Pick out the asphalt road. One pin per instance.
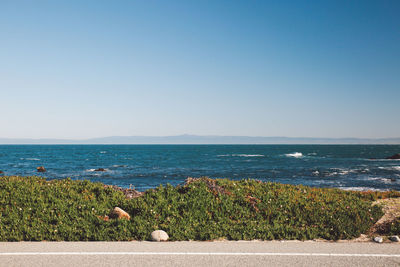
(224, 253)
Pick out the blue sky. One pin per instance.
(81, 69)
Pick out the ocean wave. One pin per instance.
(95, 170)
(35, 159)
(247, 155)
(103, 152)
(383, 160)
(392, 168)
(381, 179)
(358, 188)
(294, 155)
(339, 171)
(332, 174)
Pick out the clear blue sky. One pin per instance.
(80, 69)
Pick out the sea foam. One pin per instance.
(247, 155)
(35, 159)
(359, 188)
(294, 155)
(392, 168)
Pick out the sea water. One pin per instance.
(354, 167)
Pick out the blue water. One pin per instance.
(147, 166)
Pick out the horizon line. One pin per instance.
(197, 135)
(187, 139)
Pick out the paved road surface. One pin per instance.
(225, 253)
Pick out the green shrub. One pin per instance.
(204, 209)
(394, 227)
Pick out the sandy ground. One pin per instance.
(391, 207)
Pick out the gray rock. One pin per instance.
(378, 239)
(395, 156)
(394, 238)
(159, 235)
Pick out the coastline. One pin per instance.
(148, 166)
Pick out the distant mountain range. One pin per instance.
(199, 139)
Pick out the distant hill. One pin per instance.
(199, 139)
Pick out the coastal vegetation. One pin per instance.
(394, 227)
(34, 209)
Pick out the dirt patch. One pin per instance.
(128, 192)
(211, 184)
(391, 208)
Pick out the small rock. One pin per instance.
(378, 239)
(100, 170)
(159, 235)
(119, 213)
(394, 238)
(395, 156)
(41, 169)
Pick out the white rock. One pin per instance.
(394, 238)
(159, 235)
(378, 239)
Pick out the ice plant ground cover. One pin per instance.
(32, 208)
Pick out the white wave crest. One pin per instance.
(392, 168)
(294, 155)
(35, 159)
(338, 171)
(381, 179)
(359, 188)
(99, 171)
(247, 155)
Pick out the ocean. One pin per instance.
(352, 167)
